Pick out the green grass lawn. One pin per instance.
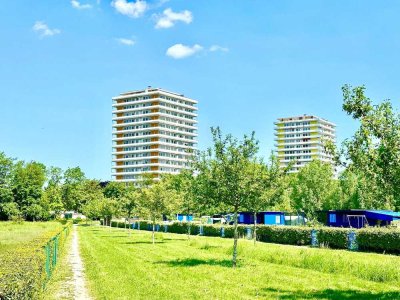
(12, 234)
(119, 266)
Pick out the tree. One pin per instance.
(114, 189)
(109, 207)
(314, 189)
(157, 200)
(374, 150)
(28, 181)
(223, 172)
(53, 191)
(183, 184)
(6, 174)
(130, 201)
(72, 189)
(9, 210)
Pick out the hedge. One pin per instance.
(369, 239)
(23, 269)
(379, 239)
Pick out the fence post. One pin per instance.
(47, 260)
(352, 244)
(249, 233)
(222, 232)
(314, 238)
(201, 230)
(165, 228)
(158, 227)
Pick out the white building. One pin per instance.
(302, 139)
(154, 131)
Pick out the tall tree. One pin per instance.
(28, 182)
(374, 150)
(72, 189)
(223, 173)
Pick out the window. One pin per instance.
(332, 218)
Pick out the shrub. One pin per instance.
(22, 268)
(77, 220)
(379, 239)
(293, 235)
(333, 237)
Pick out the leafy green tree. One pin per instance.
(130, 202)
(53, 192)
(374, 150)
(223, 172)
(72, 189)
(157, 200)
(109, 208)
(115, 189)
(28, 182)
(314, 189)
(6, 173)
(183, 184)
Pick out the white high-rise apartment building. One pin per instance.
(154, 131)
(302, 139)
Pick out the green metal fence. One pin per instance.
(51, 251)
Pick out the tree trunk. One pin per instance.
(154, 225)
(235, 239)
(255, 228)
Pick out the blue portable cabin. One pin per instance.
(263, 217)
(358, 218)
(184, 218)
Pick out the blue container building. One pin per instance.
(358, 218)
(184, 218)
(263, 217)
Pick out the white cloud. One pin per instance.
(215, 48)
(43, 30)
(179, 51)
(76, 4)
(169, 18)
(127, 42)
(131, 9)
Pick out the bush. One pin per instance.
(76, 221)
(333, 237)
(22, 269)
(293, 235)
(379, 239)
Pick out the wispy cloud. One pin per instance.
(131, 9)
(127, 42)
(179, 51)
(76, 4)
(43, 29)
(215, 48)
(168, 18)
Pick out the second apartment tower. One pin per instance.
(302, 139)
(154, 131)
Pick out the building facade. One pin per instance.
(154, 131)
(302, 139)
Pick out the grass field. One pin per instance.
(12, 233)
(119, 266)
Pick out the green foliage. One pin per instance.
(331, 237)
(290, 235)
(379, 239)
(374, 150)
(315, 189)
(22, 269)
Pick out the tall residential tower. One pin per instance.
(302, 139)
(154, 131)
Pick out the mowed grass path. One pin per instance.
(119, 266)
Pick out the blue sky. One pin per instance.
(62, 61)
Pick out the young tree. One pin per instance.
(6, 174)
(156, 200)
(130, 202)
(183, 184)
(223, 172)
(314, 189)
